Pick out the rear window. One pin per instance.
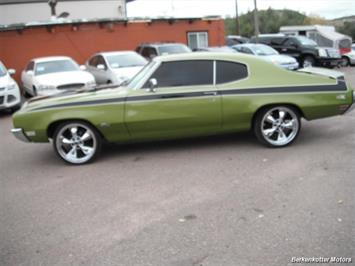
(230, 71)
(173, 49)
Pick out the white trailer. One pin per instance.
(324, 36)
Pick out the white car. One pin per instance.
(52, 75)
(349, 58)
(115, 67)
(10, 96)
(268, 53)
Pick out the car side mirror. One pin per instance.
(29, 72)
(100, 67)
(153, 83)
(11, 71)
(82, 67)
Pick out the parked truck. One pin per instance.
(324, 36)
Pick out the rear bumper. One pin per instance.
(20, 134)
(352, 106)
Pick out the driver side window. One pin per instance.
(183, 73)
(30, 66)
(93, 61)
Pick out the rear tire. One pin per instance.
(345, 61)
(76, 142)
(277, 126)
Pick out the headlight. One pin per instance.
(45, 87)
(11, 86)
(322, 52)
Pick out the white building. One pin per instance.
(25, 11)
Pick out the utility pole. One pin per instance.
(237, 24)
(256, 21)
(52, 4)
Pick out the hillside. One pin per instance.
(271, 20)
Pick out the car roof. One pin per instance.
(116, 52)
(222, 56)
(217, 49)
(50, 58)
(161, 44)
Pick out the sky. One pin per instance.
(328, 9)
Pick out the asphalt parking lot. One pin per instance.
(222, 200)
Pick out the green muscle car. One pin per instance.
(183, 96)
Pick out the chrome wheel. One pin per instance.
(76, 143)
(280, 126)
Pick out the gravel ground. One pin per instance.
(217, 201)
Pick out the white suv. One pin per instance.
(10, 96)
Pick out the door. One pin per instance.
(291, 48)
(184, 103)
(98, 67)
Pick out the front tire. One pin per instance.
(76, 142)
(277, 126)
(308, 61)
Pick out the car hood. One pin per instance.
(5, 80)
(280, 59)
(72, 97)
(128, 72)
(62, 78)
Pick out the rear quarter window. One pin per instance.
(230, 71)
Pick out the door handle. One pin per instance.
(210, 93)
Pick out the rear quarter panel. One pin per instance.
(239, 109)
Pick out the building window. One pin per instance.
(197, 39)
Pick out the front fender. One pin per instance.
(107, 119)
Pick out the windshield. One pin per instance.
(306, 41)
(125, 60)
(140, 75)
(3, 70)
(174, 49)
(264, 50)
(55, 66)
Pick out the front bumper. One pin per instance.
(20, 134)
(292, 66)
(9, 99)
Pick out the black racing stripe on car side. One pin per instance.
(93, 102)
(340, 86)
(167, 96)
